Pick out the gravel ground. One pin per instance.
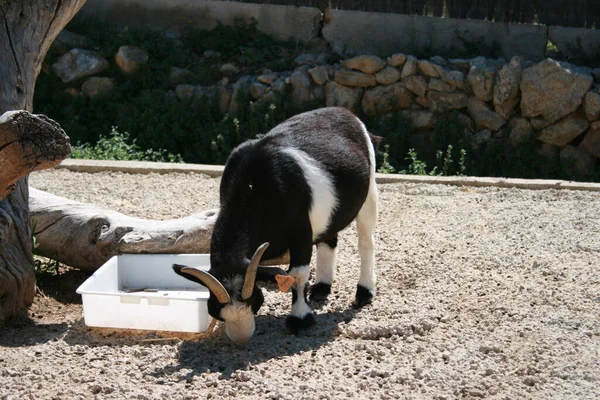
(482, 293)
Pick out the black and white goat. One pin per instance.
(297, 186)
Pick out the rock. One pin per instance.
(185, 93)
(591, 142)
(595, 125)
(444, 101)
(506, 89)
(422, 101)
(428, 69)
(439, 60)
(300, 78)
(453, 78)
(521, 131)
(483, 116)
(354, 78)
(279, 85)
(268, 78)
(78, 63)
(319, 75)
(131, 58)
(591, 105)
(596, 74)
(97, 86)
(67, 40)
(481, 78)
(507, 109)
(460, 64)
(466, 121)
(311, 59)
(366, 64)
(269, 97)
(224, 99)
(564, 131)
(439, 85)
(410, 67)
(577, 162)
(551, 90)
(318, 94)
(416, 84)
(337, 95)
(539, 123)
(241, 86)
(229, 69)
(387, 76)
(180, 75)
(420, 119)
(396, 60)
(301, 85)
(508, 81)
(384, 99)
(204, 94)
(481, 138)
(257, 89)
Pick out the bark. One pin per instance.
(27, 29)
(85, 236)
(28, 143)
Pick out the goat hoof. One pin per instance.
(295, 324)
(363, 297)
(319, 291)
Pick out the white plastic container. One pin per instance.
(141, 291)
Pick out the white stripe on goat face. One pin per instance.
(239, 321)
(324, 199)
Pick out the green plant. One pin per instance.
(416, 166)
(386, 167)
(551, 47)
(116, 146)
(44, 265)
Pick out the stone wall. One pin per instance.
(555, 103)
(353, 32)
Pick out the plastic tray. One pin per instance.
(141, 291)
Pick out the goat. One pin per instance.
(297, 186)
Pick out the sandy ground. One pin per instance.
(482, 293)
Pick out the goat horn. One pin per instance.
(252, 271)
(211, 283)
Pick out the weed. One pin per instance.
(416, 166)
(386, 167)
(116, 146)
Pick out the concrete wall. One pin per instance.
(282, 22)
(351, 32)
(357, 32)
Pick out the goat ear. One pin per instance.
(205, 279)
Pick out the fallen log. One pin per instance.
(85, 236)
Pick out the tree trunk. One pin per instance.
(28, 28)
(85, 236)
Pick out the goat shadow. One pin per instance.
(270, 341)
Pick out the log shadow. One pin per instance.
(61, 286)
(24, 332)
